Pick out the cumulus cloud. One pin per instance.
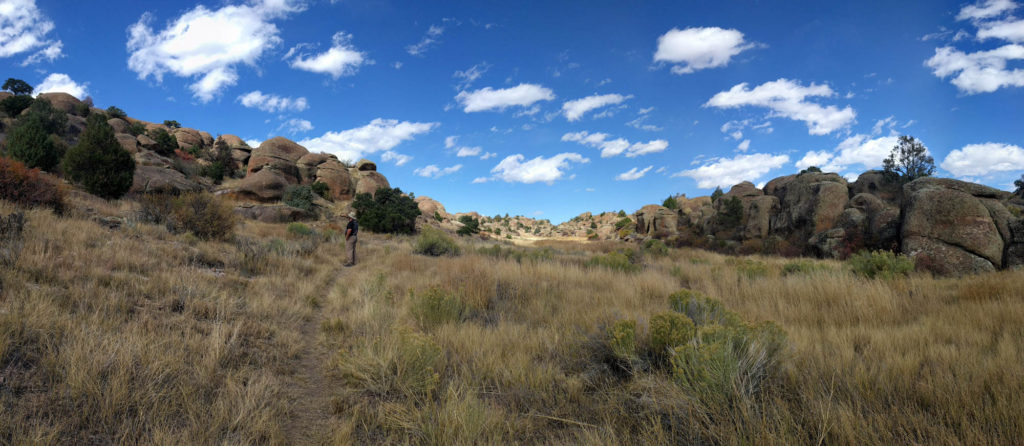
(432, 171)
(984, 71)
(296, 126)
(788, 99)
(984, 159)
(487, 98)
(377, 136)
(857, 150)
(206, 44)
(395, 157)
(513, 169)
(428, 40)
(272, 103)
(575, 109)
(725, 172)
(60, 82)
(694, 49)
(342, 59)
(618, 146)
(468, 151)
(633, 174)
(23, 29)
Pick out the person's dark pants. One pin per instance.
(350, 249)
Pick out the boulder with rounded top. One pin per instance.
(368, 181)
(187, 137)
(264, 185)
(657, 221)
(153, 179)
(279, 153)
(307, 165)
(429, 206)
(61, 101)
(365, 165)
(337, 178)
(119, 125)
(879, 184)
(128, 142)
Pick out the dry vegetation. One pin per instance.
(138, 335)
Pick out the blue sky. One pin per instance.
(549, 109)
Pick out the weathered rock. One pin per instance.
(828, 243)
(61, 101)
(368, 181)
(151, 179)
(810, 202)
(945, 215)
(279, 213)
(656, 221)
(1015, 247)
(264, 185)
(279, 153)
(5, 95)
(759, 212)
(942, 258)
(745, 189)
(146, 142)
(877, 183)
(119, 125)
(234, 142)
(883, 221)
(207, 138)
(128, 142)
(307, 165)
(336, 176)
(366, 165)
(188, 138)
(76, 125)
(429, 206)
(778, 185)
(148, 158)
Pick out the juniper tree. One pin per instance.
(909, 160)
(98, 162)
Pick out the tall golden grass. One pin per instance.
(136, 335)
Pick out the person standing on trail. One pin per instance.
(351, 233)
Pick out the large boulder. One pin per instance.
(61, 101)
(128, 142)
(278, 213)
(146, 142)
(188, 137)
(877, 183)
(947, 227)
(882, 228)
(366, 165)
(337, 178)
(1014, 256)
(809, 203)
(308, 165)
(264, 185)
(745, 189)
(154, 179)
(368, 181)
(119, 125)
(657, 221)
(429, 206)
(280, 154)
(759, 210)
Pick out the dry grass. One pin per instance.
(136, 335)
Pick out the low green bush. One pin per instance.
(669, 330)
(880, 264)
(626, 261)
(300, 229)
(749, 268)
(252, 258)
(701, 309)
(622, 339)
(200, 213)
(436, 307)
(321, 189)
(804, 267)
(299, 196)
(115, 112)
(434, 242)
(655, 247)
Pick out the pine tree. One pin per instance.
(98, 162)
(909, 160)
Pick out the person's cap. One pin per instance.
(352, 215)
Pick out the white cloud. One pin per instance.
(487, 98)
(379, 135)
(814, 158)
(60, 82)
(725, 172)
(857, 150)
(787, 99)
(206, 44)
(744, 146)
(1010, 30)
(576, 108)
(342, 59)
(488, 155)
(985, 9)
(24, 28)
(395, 157)
(296, 126)
(881, 123)
(984, 159)
(633, 174)
(428, 40)
(468, 151)
(512, 169)
(699, 48)
(432, 171)
(272, 103)
(610, 148)
(480, 180)
(979, 72)
(471, 74)
(254, 143)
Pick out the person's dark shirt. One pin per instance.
(352, 226)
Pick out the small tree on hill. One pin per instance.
(35, 139)
(166, 143)
(172, 124)
(115, 112)
(98, 162)
(14, 105)
(17, 86)
(387, 211)
(731, 214)
(909, 160)
(671, 203)
(717, 194)
(470, 225)
(1020, 187)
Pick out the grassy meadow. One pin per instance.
(135, 335)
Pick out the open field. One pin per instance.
(135, 335)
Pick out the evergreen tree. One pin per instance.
(98, 162)
(166, 143)
(909, 160)
(387, 211)
(717, 194)
(671, 203)
(29, 143)
(17, 86)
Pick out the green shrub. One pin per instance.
(136, 128)
(27, 187)
(98, 162)
(655, 247)
(623, 223)
(172, 124)
(321, 189)
(387, 211)
(622, 213)
(670, 203)
(115, 112)
(214, 171)
(201, 213)
(300, 230)
(880, 264)
(701, 309)
(805, 267)
(812, 169)
(669, 330)
(616, 260)
(749, 268)
(728, 362)
(437, 216)
(299, 196)
(622, 339)
(14, 105)
(29, 142)
(434, 242)
(470, 225)
(717, 194)
(436, 307)
(195, 151)
(17, 86)
(166, 143)
(731, 215)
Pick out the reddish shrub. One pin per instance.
(28, 187)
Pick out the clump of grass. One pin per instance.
(434, 242)
(803, 267)
(622, 339)
(749, 268)
(300, 229)
(252, 258)
(405, 366)
(625, 261)
(701, 309)
(880, 264)
(436, 307)
(11, 238)
(655, 247)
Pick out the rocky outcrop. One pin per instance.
(429, 206)
(188, 138)
(119, 125)
(656, 221)
(240, 150)
(280, 154)
(156, 179)
(61, 101)
(948, 229)
(337, 178)
(128, 142)
(368, 181)
(365, 165)
(279, 213)
(265, 185)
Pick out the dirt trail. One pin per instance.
(310, 419)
